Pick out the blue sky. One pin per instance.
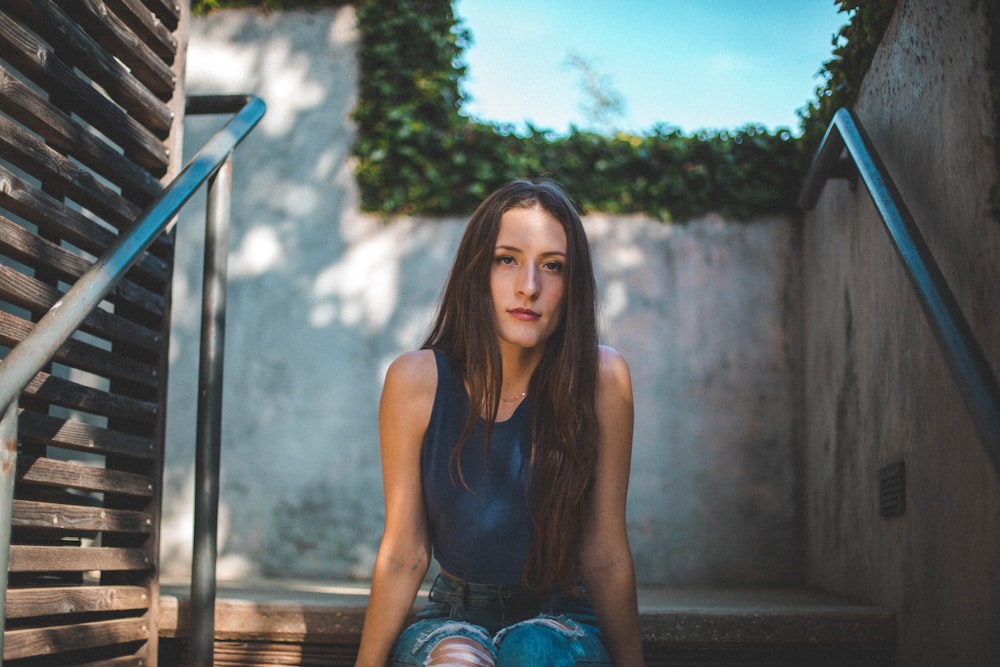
(691, 64)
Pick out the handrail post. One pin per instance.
(209, 429)
(8, 472)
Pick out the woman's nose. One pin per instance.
(528, 282)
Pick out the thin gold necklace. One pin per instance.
(516, 398)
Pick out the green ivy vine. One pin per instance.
(854, 48)
(417, 154)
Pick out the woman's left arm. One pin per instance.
(606, 559)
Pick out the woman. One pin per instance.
(506, 443)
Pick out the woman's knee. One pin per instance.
(537, 641)
(459, 651)
(553, 641)
(443, 643)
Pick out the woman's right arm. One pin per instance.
(404, 554)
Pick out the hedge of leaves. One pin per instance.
(417, 154)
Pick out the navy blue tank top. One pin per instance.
(481, 533)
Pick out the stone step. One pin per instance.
(301, 623)
(763, 626)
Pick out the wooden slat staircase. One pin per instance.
(89, 113)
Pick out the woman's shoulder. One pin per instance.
(614, 380)
(415, 370)
(611, 365)
(408, 391)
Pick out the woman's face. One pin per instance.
(527, 281)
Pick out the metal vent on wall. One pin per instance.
(892, 490)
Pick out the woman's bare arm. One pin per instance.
(404, 553)
(606, 559)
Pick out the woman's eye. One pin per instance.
(553, 266)
(504, 259)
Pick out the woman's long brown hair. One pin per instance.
(562, 390)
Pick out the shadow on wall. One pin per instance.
(302, 345)
(321, 298)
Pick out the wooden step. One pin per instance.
(289, 623)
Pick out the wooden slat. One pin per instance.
(38, 297)
(45, 430)
(38, 253)
(167, 11)
(27, 151)
(280, 621)
(133, 35)
(84, 356)
(74, 396)
(76, 518)
(59, 600)
(33, 642)
(273, 654)
(123, 661)
(27, 107)
(91, 58)
(64, 474)
(147, 25)
(37, 61)
(52, 216)
(77, 559)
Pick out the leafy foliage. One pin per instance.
(417, 153)
(854, 48)
(412, 144)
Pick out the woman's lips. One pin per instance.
(524, 314)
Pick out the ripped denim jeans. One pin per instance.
(478, 625)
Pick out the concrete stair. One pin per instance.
(288, 623)
(763, 627)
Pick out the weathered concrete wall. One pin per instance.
(322, 297)
(877, 389)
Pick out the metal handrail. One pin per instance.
(969, 366)
(210, 164)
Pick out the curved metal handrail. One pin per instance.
(210, 164)
(976, 380)
(55, 328)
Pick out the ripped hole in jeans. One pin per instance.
(459, 652)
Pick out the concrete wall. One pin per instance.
(322, 297)
(877, 388)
